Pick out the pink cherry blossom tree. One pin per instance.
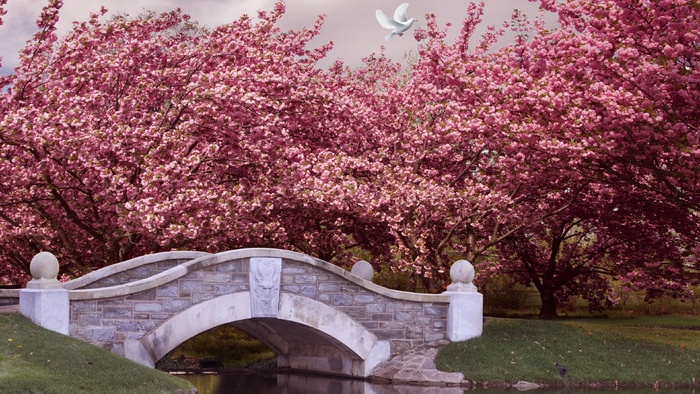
(138, 135)
(601, 98)
(457, 178)
(631, 69)
(599, 237)
(559, 150)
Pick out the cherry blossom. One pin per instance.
(567, 158)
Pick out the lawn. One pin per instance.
(647, 351)
(36, 360)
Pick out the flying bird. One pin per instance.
(399, 24)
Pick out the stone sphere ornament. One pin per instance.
(462, 271)
(462, 275)
(363, 269)
(44, 269)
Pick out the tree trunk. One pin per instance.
(433, 286)
(549, 303)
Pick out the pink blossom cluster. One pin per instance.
(563, 159)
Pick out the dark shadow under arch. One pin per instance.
(306, 334)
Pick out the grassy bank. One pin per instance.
(647, 351)
(35, 360)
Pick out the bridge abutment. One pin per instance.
(465, 316)
(49, 308)
(44, 301)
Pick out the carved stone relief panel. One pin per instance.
(265, 286)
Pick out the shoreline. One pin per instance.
(404, 380)
(417, 368)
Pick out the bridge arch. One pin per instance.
(323, 339)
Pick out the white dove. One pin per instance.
(399, 24)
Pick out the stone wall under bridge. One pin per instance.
(314, 315)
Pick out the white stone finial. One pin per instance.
(462, 275)
(44, 268)
(363, 269)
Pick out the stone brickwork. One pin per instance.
(406, 324)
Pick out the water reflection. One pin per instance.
(229, 383)
(240, 383)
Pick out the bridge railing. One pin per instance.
(131, 270)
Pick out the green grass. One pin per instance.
(36, 360)
(630, 351)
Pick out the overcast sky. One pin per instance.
(350, 24)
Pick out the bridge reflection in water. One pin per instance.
(240, 383)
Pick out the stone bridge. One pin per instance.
(314, 315)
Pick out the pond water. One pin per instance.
(242, 383)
